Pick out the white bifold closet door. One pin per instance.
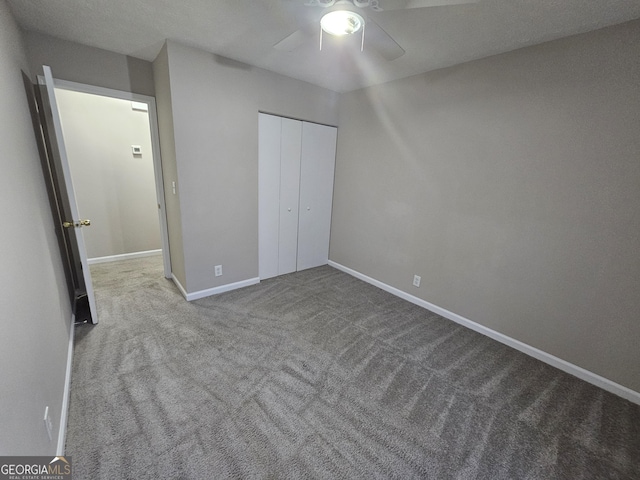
(290, 144)
(317, 166)
(296, 168)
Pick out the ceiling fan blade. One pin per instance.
(298, 13)
(386, 5)
(376, 38)
(292, 42)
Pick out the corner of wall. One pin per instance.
(164, 107)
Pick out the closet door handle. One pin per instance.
(289, 209)
(308, 208)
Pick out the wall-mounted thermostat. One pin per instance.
(136, 149)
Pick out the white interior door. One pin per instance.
(290, 144)
(317, 167)
(59, 157)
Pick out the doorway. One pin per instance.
(113, 151)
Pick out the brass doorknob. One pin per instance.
(79, 223)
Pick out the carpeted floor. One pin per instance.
(319, 375)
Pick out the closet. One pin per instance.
(296, 162)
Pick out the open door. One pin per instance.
(61, 175)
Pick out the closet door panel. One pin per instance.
(269, 130)
(317, 166)
(290, 145)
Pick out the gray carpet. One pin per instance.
(319, 375)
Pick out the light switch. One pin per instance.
(136, 149)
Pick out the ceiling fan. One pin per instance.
(347, 17)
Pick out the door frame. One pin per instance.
(155, 146)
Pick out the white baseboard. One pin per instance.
(215, 290)
(545, 357)
(64, 413)
(123, 256)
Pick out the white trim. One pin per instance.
(159, 177)
(215, 290)
(180, 287)
(545, 357)
(123, 256)
(155, 147)
(64, 413)
(102, 91)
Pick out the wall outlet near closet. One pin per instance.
(416, 280)
(218, 270)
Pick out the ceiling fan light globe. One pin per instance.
(341, 22)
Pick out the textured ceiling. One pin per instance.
(246, 30)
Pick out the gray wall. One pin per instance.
(215, 104)
(512, 186)
(114, 188)
(93, 66)
(34, 302)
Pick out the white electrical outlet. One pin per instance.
(416, 280)
(218, 270)
(48, 423)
